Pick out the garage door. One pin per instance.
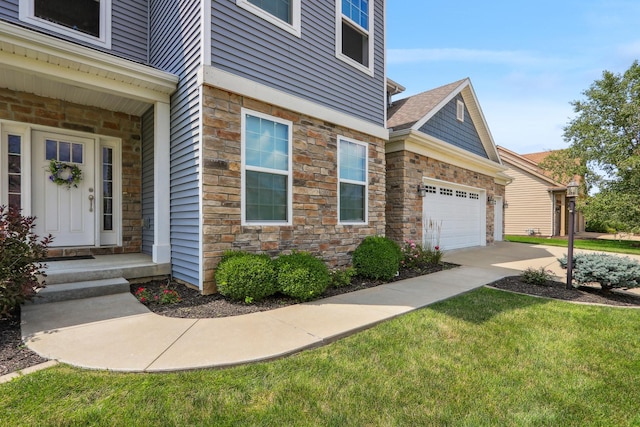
(459, 212)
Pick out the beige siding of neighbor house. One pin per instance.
(530, 205)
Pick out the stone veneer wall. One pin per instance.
(315, 225)
(405, 171)
(65, 116)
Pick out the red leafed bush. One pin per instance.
(21, 252)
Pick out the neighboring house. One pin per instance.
(537, 205)
(199, 126)
(443, 170)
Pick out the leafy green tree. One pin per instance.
(605, 137)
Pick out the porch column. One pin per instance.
(161, 181)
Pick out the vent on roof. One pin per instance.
(460, 111)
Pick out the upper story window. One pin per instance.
(282, 13)
(85, 20)
(266, 169)
(352, 174)
(354, 33)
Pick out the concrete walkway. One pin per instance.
(118, 333)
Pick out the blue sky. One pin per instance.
(526, 60)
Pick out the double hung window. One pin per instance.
(282, 13)
(354, 28)
(86, 20)
(352, 171)
(266, 174)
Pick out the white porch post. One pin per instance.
(161, 183)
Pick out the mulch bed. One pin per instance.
(14, 356)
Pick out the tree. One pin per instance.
(605, 137)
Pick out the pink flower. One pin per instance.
(437, 248)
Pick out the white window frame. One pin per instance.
(109, 237)
(365, 183)
(7, 129)
(369, 33)
(27, 14)
(293, 27)
(289, 173)
(460, 111)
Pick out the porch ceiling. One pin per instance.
(35, 63)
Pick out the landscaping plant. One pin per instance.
(342, 277)
(246, 277)
(538, 276)
(609, 271)
(301, 276)
(21, 253)
(377, 257)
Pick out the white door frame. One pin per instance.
(25, 132)
(498, 219)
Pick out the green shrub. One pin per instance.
(20, 254)
(246, 277)
(538, 276)
(301, 276)
(342, 278)
(377, 257)
(609, 271)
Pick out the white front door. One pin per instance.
(67, 213)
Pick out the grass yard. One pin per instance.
(484, 358)
(619, 246)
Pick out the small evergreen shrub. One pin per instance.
(377, 257)
(21, 251)
(538, 276)
(246, 277)
(609, 271)
(301, 276)
(342, 278)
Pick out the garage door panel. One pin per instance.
(459, 211)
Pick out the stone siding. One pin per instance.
(315, 226)
(405, 171)
(65, 116)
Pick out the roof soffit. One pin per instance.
(46, 66)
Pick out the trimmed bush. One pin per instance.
(20, 254)
(246, 277)
(609, 271)
(377, 257)
(301, 276)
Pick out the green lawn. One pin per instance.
(484, 358)
(620, 246)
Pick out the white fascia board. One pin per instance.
(40, 54)
(428, 146)
(233, 83)
(477, 116)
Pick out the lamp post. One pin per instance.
(572, 193)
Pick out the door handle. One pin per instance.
(91, 202)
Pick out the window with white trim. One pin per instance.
(352, 181)
(281, 13)
(266, 169)
(86, 20)
(354, 33)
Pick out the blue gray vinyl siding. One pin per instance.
(174, 47)
(246, 45)
(147, 182)
(129, 27)
(445, 126)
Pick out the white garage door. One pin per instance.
(459, 212)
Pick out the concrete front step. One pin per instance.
(80, 290)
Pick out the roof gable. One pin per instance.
(414, 112)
